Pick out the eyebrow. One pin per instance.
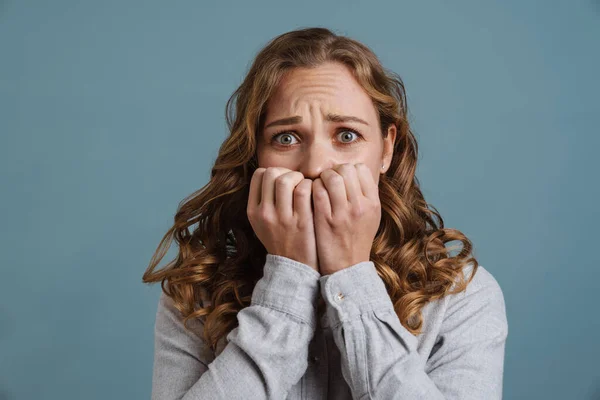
(330, 117)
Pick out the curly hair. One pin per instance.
(220, 257)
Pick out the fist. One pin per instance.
(280, 212)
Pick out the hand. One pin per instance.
(279, 210)
(347, 213)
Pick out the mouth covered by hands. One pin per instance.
(335, 232)
(346, 213)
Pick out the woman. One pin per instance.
(316, 269)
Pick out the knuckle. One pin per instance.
(286, 220)
(302, 190)
(299, 176)
(301, 193)
(270, 219)
(263, 214)
(258, 173)
(272, 172)
(289, 178)
(283, 180)
(319, 192)
(255, 177)
(337, 179)
(356, 212)
(346, 167)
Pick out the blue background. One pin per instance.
(112, 112)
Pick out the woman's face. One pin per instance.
(327, 119)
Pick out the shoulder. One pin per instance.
(169, 328)
(467, 355)
(168, 316)
(168, 309)
(483, 286)
(481, 303)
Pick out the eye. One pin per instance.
(345, 132)
(345, 135)
(284, 134)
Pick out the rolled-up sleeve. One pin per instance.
(379, 355)
(266, 353)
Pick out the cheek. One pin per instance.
(259, 153)
(269, 159)
(264, 158)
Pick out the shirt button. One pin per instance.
(339, 296)
(315, 359)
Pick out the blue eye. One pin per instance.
(343, 131)
(283, 134)
(349, 131)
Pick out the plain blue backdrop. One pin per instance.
(111, 112)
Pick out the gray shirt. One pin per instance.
(357, 349)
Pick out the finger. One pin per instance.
(268, 186)
(336, 189)
(254, 196)
(284, 192)
(321, 201)
(367, 184)
(302, 200)
(353, 187)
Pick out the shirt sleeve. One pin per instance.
(379, 358)
(266, 354)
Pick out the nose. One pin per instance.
(317, 158)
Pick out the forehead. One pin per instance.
(331, 86)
